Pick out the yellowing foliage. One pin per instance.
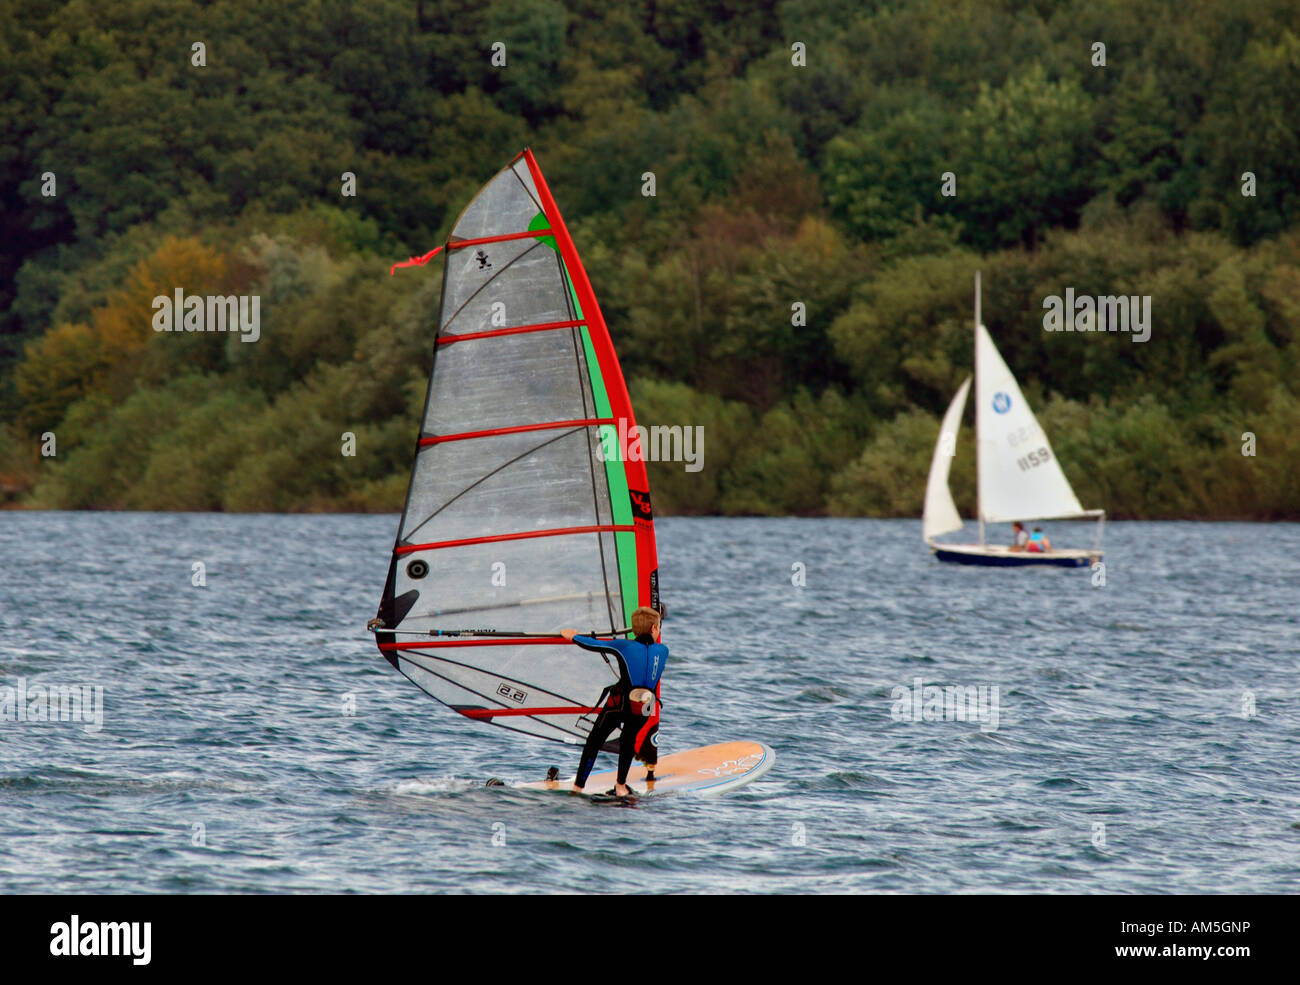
(74, 360)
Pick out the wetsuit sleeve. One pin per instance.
(603, 646)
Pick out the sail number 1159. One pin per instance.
(1033, 459)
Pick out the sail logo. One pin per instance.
(513, 693)
(75, 939)
(215, 313)
(1001, 403)
(641, 511)
(951, 703)
(1104, 313)
(659, 443)
(53, 703)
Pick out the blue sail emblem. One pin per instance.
(1001, 402)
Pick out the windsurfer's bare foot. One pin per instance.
(575, 789)
(621, 790)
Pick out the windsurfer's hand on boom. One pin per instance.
(569, 634)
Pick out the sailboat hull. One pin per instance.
(995, 556)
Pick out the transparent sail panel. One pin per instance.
(506, 204)
(504, 285)
(517, 677)
(509, 381)
(549, 583)
(507, 484)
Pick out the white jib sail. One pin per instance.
(941, 516)
(1019, 476)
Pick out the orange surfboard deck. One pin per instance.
(709, 769)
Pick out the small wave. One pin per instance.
(448, 784)
(102, 784)
(1063, 782)
(823, 694)
(850, 779)
(1009, 825)
(846, 780)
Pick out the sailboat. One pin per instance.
(1018, 476)
(524, 514)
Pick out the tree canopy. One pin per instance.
(829, 176)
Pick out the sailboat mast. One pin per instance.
(979, 409)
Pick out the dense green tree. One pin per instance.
(1023, 159)
(886, 171)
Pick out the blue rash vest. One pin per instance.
(641, 663)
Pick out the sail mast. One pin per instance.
(979, 410)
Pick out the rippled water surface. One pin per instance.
(1146, 741)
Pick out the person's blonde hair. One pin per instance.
(644, 621)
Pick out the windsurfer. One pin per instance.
(632, 703)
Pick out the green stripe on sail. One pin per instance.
(615, 471)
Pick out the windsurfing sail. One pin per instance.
(524, 514)
(1019, 476)
(941, 516)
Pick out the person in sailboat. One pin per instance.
(632, 703)
(1020, 536)
(1038, 542)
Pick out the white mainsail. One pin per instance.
(1019, 476)
(941, 516)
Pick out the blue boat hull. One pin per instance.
(1010, 560)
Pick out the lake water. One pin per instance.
(1146, 734)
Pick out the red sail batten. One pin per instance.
(460, 244)
(508, 641)
(594, 528)
(518, 330)
(509, 712)
(517, 429)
